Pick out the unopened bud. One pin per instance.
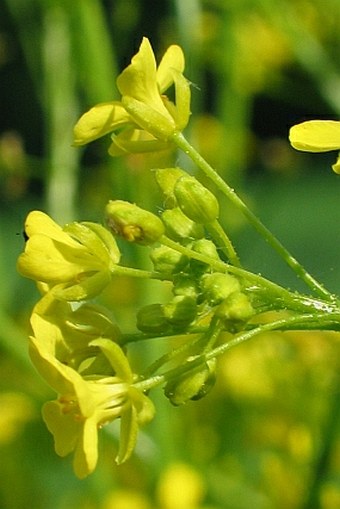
(207, 248)
(185, 285)
(218, 286)
(179, 227)
(167, 260)
(151, 319)
(193, 385)
(235, 308)
(166, 178)
(133, 223)
(196, 201)
(180, 311)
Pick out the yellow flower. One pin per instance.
(145, 118)
(68, 333)
(317, 136)
(86, 403)
(76, 261)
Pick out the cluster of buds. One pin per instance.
(199, 292)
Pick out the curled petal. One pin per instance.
(316, 136)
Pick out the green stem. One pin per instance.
(284, 298)
(299, 270)
(291, 323)
(222, 239)
(120, 270)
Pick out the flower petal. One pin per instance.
(316, 136)
(98, 121)
(64, 428)
(139, 78)
(89, 287)
(38, 222)
(173, 60)
(135, 141)
(128, 434)
(336, 166)
(86, 453)
(116, 357)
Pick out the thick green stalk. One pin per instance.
(299, 270)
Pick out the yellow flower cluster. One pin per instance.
(144, 119)
(74, 345)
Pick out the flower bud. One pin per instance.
(133, 223)
(235, 308)
(218, 286)
(185, 285)
(151, 319)
(179, 227)
(196, 201)
(207, 248)
(167, 260)
(166, 179)
(192, 385)
(180, 311)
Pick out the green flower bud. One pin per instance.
(167, 260)
(180, 311)
(235, 308)
(151, 319)
(192, 385)
(196, 201)
(185, 285)
(133, 223)
(207, 248)
(218, 286)
(179, 227)
(166, 178)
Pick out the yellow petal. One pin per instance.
(38, 222)
(139, 80)
(63, 427)
(316, 136)
(98, 121)
(135, 141)
(336, 166)
(116, 357)
(173, 60)
(86, 453)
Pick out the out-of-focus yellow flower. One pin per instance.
(86, 403)
(180, 487)
(16, 410)
(77, 261)
(144, 118)
(317, 136)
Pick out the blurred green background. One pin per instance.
(268, 436)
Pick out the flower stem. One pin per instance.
(291, 323)
(217, 233)
(299, 270)
(285, 298)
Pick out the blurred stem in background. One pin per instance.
(60, 104)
